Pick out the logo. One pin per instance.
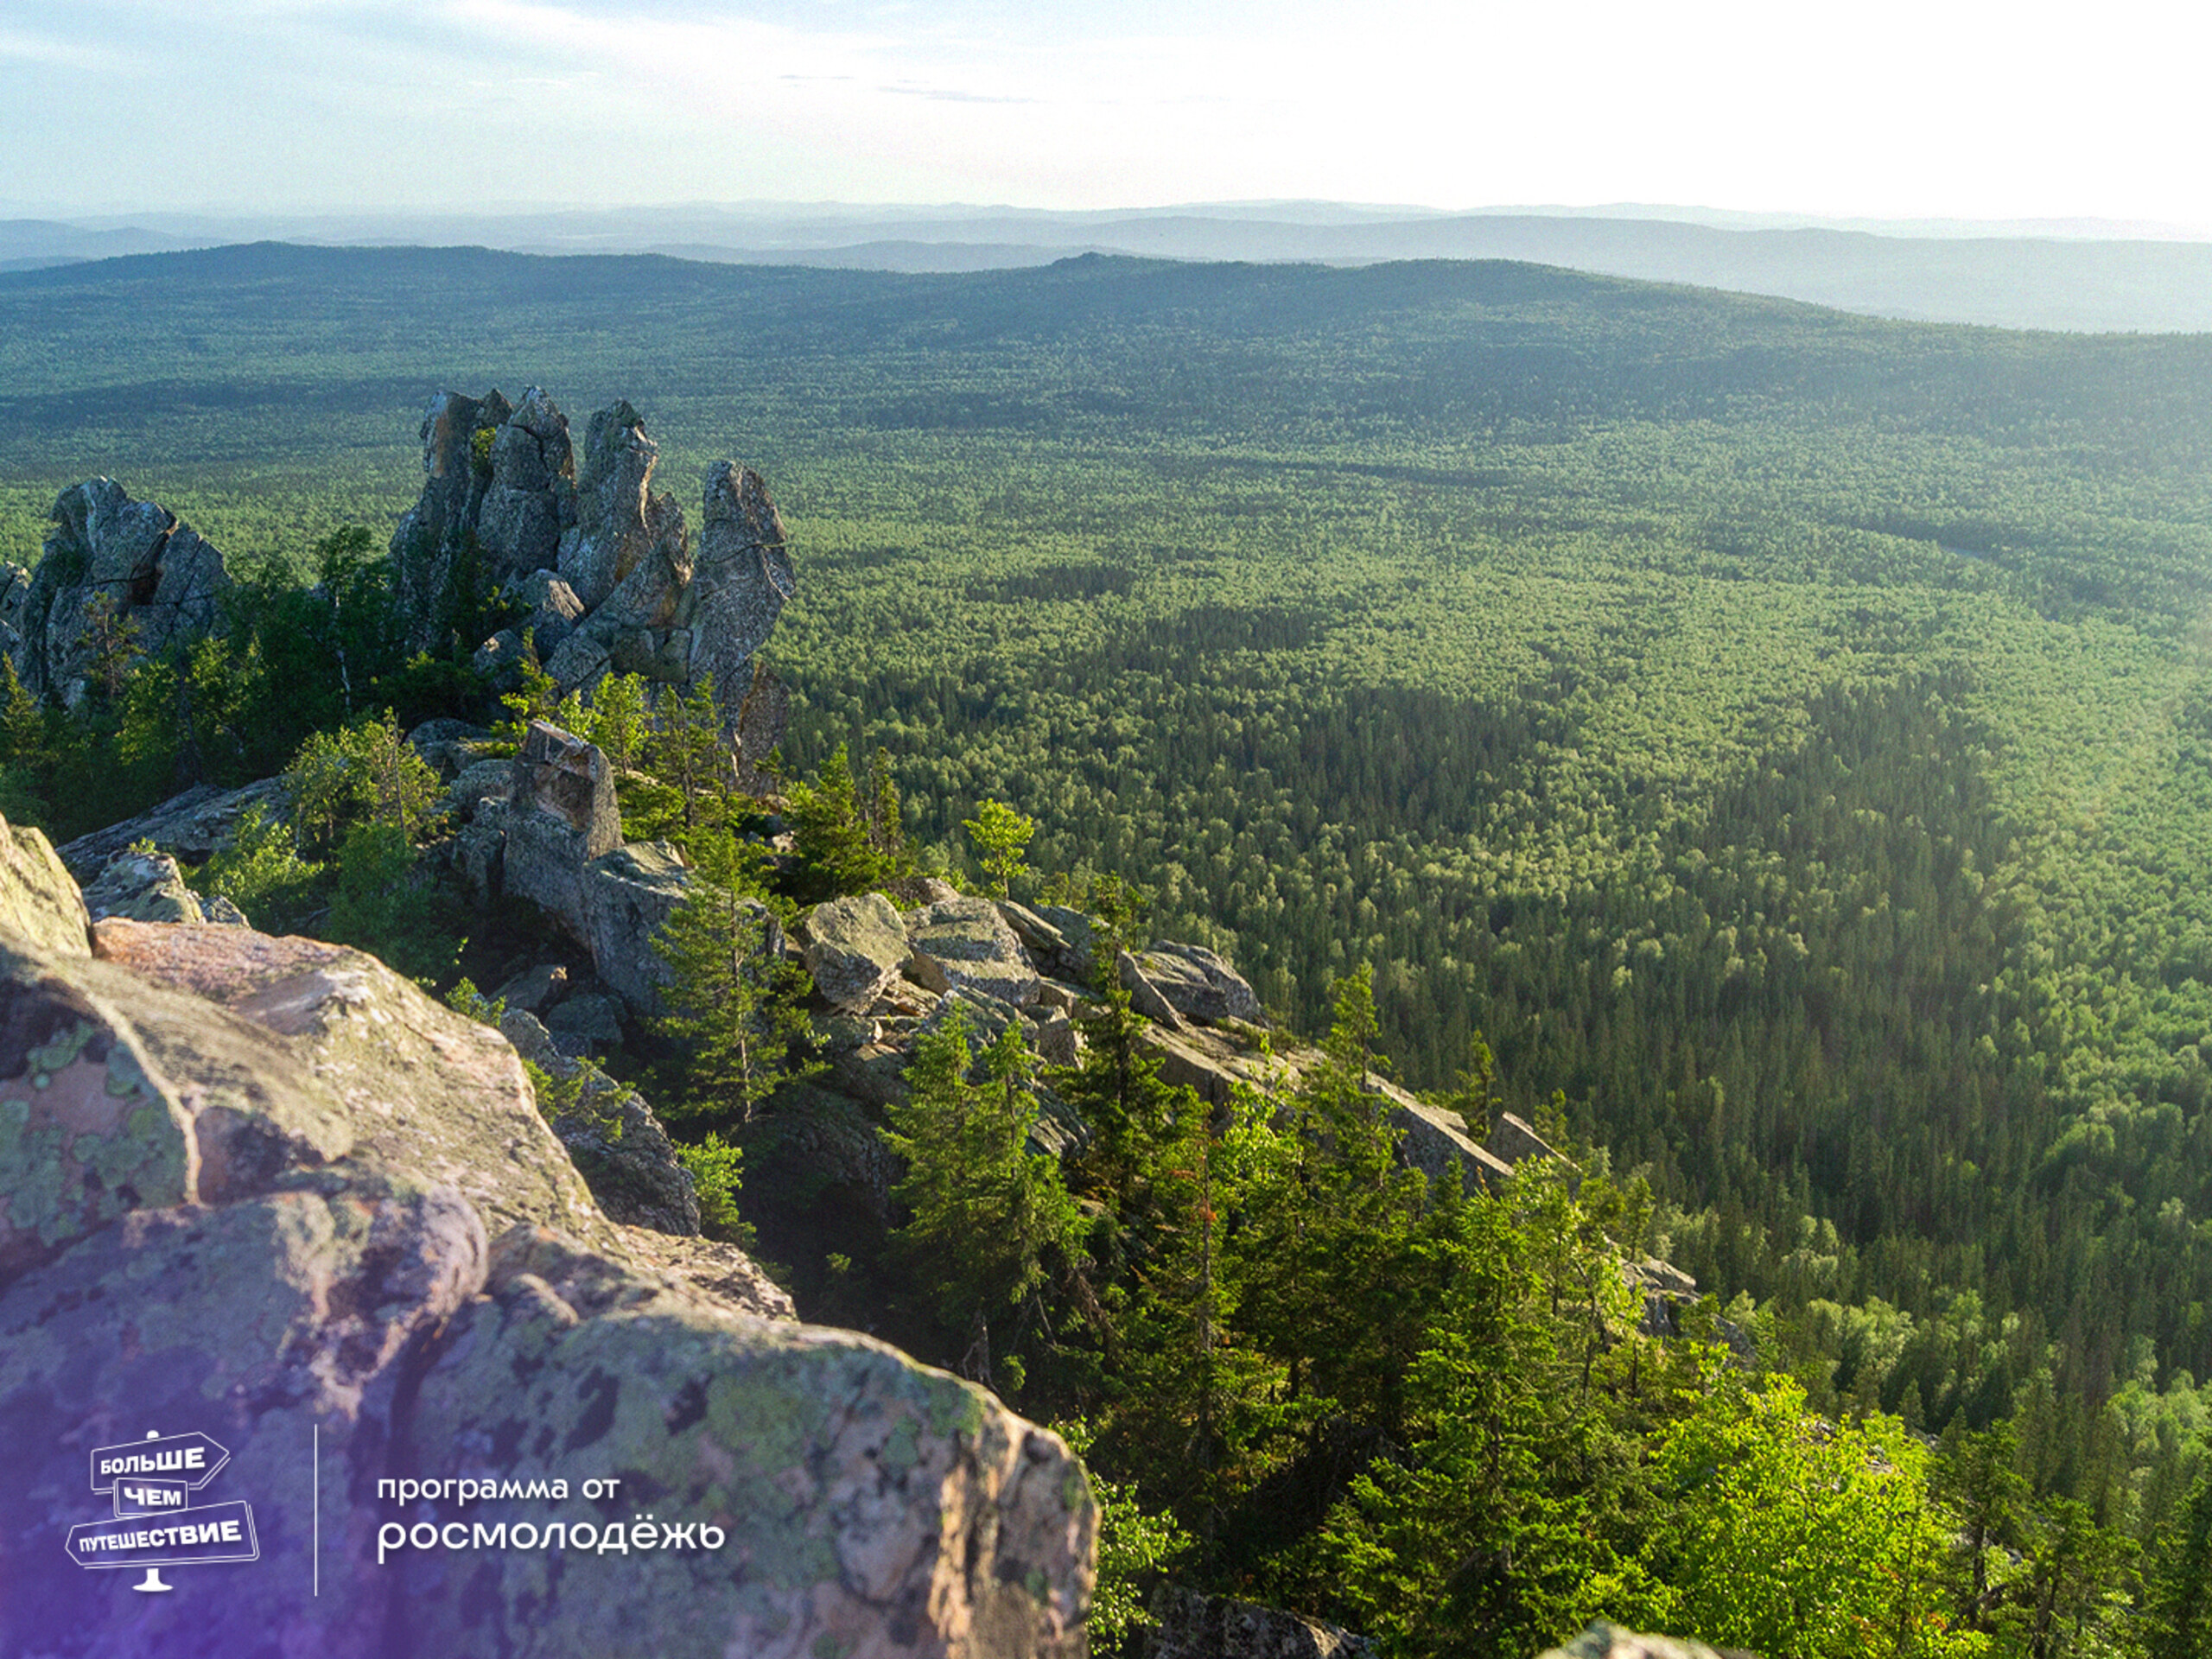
(159, 1521)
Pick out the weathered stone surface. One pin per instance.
(966, 942)
(1199, 1060)
(155, 577)
(193, 823)
(1054, 1037)
(1063, 941)
(1200, 983)
(761, 719)
(1144, 996)
(738, 590)
(482, 780)
(854, 947)
(436, 528)
(39, 903)
(1187, 1625)
(986, 1017)
(629, 894)
(876, 1509)
(617, 1142)
(1603, 1641)
(500, 656)
(1512, 1139)
(449, 747)
(563, 814)
(419, 1087)
(270, 1190)
(617, 519)
(1434, 1141)
(728, 1276)
(142, 887)
(530, 496)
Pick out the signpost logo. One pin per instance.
(158, 1522)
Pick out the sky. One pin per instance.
(1878, 108)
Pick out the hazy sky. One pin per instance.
(1879, 107)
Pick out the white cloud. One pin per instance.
(1891, 107)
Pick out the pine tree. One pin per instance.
(685, 750)
(833, 832)
(988, 1217)
(736, 1003)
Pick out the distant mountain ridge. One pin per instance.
(2060, 280)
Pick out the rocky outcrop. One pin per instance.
(118, 579)
(263, 1190)
(193, 825)
(619, 519)
(628, 895)
(1187, 1625)
(738, 589)
(605, 568)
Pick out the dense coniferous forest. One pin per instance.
(1783, 737)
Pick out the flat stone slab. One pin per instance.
(966, 942)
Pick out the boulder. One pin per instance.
(272, 1193)
(1187, 1625)
(38, 903)
(480, 781)
(501, 657)
(1200, 983)
(193, 823)
(449, 747)
(965, 943)
(854, 948)
(143, 886)
(742, 579)
(1060, 940)
(128, 570)
(1054, 1037)
(628, 893)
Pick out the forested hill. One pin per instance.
(1786, 734)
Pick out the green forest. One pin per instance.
(1773, 748)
